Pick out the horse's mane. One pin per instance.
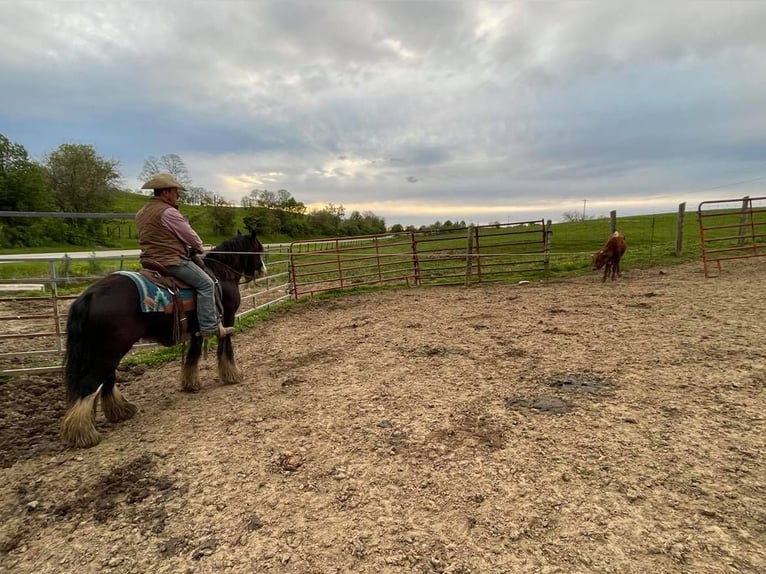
(236, 254)
(238, 243)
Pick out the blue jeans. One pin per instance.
(190, 273)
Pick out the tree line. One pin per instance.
(74, 178)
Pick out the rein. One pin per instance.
(229, 267)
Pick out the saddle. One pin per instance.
(160, 276)
(180, 305)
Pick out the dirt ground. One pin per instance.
(567, 426)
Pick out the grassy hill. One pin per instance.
(651, 238)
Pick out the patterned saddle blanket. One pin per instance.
(156, 298)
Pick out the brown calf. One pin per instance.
(609, 256)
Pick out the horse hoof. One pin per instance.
(84, 441)
(191, 386)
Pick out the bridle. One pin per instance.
(239, 274)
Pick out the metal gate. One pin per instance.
(33, 327)
(731, 229)
(464, 255)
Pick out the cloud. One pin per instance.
(492, 105)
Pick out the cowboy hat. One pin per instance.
(162, 181)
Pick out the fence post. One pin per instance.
(55, 300)
(67, 268)
(612, 221)
(547, 232)
(743, 220)
(415, 258)
(680, 228)
(469, 256)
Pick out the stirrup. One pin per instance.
(220, 332)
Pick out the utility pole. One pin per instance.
(584, 201)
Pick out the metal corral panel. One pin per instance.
(33, 334)
(445, 257)
(731, 229)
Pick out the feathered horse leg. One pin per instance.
(190, 370)
(78, 427)
(116, 408)
(228, 371)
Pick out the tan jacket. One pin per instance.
(157, 242)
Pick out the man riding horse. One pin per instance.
(119, 309)
(166, 238)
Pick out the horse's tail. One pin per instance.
(78, 349)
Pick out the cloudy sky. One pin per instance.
(416, 111)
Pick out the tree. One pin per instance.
(573, 216)
(23, 188)
(168, 163)
(366, 223)
(287, 215)
(281, 199)
(354, 225)
(264, 198)
(261, 220)
(80, 179)
(174, 165)
(327, 221)
(287, 202)
(82, 182)
(375, 224)
(222, 218)
(199, 196)
(22, 182)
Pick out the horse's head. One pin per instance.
(598, 259)
(242, 254)
(254, 265)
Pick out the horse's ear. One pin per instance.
(252, 235)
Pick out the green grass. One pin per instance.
(504, 254)
(650, 238)
(573, 237)
(68, 273)
(153, 357)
